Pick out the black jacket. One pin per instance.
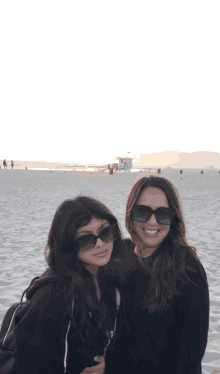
(42, 345)
(172, 341)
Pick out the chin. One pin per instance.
(101, 265)
(102, 261)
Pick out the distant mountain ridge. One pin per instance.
(175, 159)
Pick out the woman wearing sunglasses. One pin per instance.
(71, 318)
(166, 298)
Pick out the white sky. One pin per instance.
(85, 81)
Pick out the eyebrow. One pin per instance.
(85, 231)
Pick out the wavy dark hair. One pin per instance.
(166, 265)
(62, 257)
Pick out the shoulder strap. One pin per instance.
(8, 322)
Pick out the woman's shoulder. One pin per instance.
(194, 268)
(45, 295)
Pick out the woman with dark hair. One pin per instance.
(72, 309)
(166, 298)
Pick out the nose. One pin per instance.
(153, 220)
(99, 243)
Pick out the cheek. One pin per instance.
(138, 231)
(136, 227)
(85, 256)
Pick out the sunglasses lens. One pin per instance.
(164, 216)
(108, 234)
(88, 242)
(164, 219)
(143, 213)
(140, 216)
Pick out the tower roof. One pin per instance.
(128, 158)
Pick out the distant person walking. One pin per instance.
(5, 163)
(12, 164)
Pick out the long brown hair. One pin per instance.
(166, 265)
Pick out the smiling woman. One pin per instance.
(165, 293)
(152, 218)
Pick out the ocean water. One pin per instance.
(29, 199)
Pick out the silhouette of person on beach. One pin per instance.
(12, 164)
(5, 163)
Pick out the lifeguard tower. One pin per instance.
(123, 164)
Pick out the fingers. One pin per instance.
(97, 369)
(100, 368)
(90, 370)
(99, 358)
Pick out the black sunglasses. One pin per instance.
(142, 213)
(87, 242)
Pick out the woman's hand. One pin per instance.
(97, 369)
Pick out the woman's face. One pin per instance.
(101, 253)
(154, 198)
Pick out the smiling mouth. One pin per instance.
(102, 254)
(150, 232)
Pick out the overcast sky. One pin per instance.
(85, 81)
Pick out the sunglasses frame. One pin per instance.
(97, 237)
(153, 211)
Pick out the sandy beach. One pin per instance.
(29, 199)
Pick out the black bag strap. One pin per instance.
(11, 313)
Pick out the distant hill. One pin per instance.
(175, 159)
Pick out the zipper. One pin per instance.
(118, 300)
